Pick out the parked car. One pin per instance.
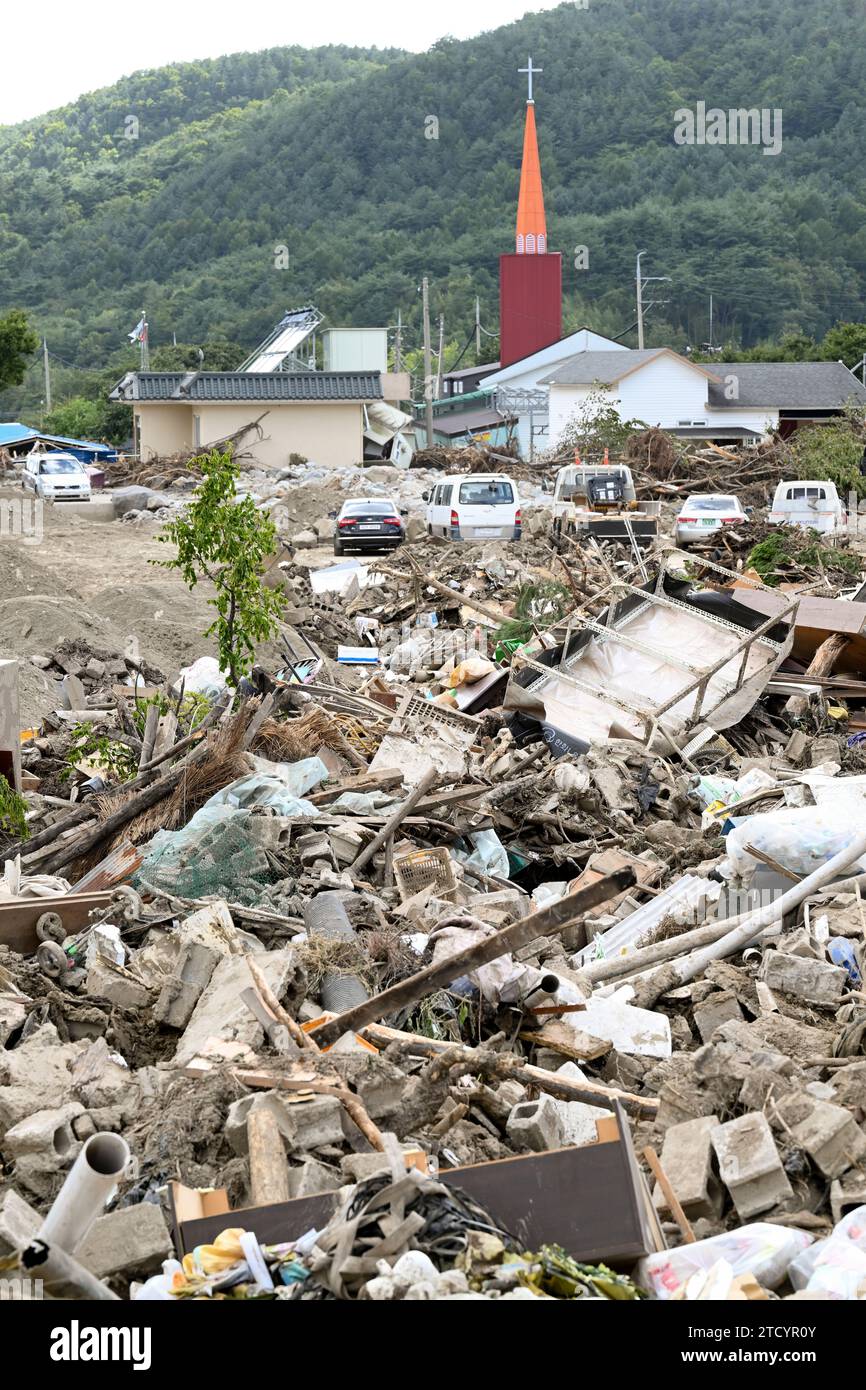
(56, 477)
(477, 507)
(704, 513)
(369, 523)
(809, 502)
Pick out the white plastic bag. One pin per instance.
(203, 677)
(800, 838)
(489, 855)
(760, 1249)
(836, 1265)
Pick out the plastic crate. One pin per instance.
(422, 868)
(465, 728)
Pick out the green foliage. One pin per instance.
(791, 548)
(538, 606)
(324, 151)
(596, 426)
(101, 419)
(216, 356)
(18, 343)
(832, 452)
(227, 541)
(119, 760)
(13, 809)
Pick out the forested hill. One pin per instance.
(327, 153)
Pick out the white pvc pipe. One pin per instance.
(687, 968)
(91, 1182)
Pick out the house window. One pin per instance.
(520, 243)
(542, 243)
(530, 244)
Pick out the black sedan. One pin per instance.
(368, 523)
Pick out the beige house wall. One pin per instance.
(329, 433)
(162, 429)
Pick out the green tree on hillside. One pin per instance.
(18, 343)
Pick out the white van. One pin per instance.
(474, 507)
(808, 502)
(56, 477)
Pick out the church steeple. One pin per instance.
(531, 222)
(530, 278)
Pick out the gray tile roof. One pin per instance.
(607, 367)
(248, 386)
(787, 385)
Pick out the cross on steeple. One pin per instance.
(529, 71)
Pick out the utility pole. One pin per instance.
(428, 378)
(439, 356)
(477, 329)
(47, 369)
(711, 323)
(398, 344)
(640, 282)
(639, 287)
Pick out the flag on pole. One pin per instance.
(139, 332)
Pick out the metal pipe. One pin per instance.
(90, 1183)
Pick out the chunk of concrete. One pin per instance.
(687, 1159)
(183, 989)
(578, 1119)
(719, 1007)
(220, 1011)
(537, 1125)
(133, 1241)
(43, 1145)
(304, 1125)
(108, 981)
(804, 976)
(311, 1178)
(827, 1133)
(19, 1222)
(846, 1194)
(35, 1075)
(99, 1080)
(749, 1165)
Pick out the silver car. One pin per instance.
(703, 514)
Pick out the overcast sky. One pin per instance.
(54, 51)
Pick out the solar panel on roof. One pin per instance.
(296, 326)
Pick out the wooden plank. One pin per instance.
(571, 1042)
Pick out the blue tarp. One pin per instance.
(87, 450)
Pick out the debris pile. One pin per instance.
(517, 872)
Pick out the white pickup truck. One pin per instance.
(599, 499)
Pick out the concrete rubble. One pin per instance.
(346, 934)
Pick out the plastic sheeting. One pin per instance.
(800, 838)
(279, 786)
